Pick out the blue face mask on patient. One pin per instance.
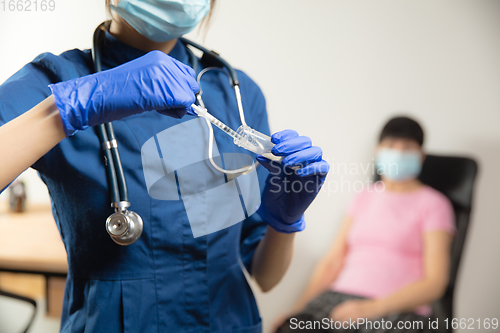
(162, 20)
(397, 165)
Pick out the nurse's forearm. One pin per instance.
(272, 258)
(27, 138)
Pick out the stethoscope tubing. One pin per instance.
(105, 132)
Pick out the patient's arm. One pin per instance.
(431, 287)
(437, 248)
(328, 267)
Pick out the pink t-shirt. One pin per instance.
(385, 242)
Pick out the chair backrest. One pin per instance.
(454, 177)
(23, 299)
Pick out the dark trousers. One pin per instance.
(314, 318)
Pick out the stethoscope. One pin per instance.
(125, 226)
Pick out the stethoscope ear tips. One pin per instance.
(124, 227)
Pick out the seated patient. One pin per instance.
(390, 259)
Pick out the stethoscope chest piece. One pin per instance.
(124, 226)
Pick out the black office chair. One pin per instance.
(24, 299)
(454, 177)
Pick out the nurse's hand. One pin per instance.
(288, 192)
(154, 81)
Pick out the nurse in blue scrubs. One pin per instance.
(168, 280)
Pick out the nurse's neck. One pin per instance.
(124, 32)
(405, 186)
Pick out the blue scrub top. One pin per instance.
(168, 281)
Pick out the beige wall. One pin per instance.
(336, 70)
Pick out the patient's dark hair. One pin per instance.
(403, 127)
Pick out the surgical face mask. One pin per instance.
(397, 165)
(162, 20)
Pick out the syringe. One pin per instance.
(245, 136)
(200, 111)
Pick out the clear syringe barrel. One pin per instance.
(256, 142)
(244, 137)
(200, 111)
(223, 127)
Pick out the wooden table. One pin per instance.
(30, 243)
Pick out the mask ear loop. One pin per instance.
(243, 170)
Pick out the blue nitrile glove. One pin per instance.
(154, 81)
(289, 192)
